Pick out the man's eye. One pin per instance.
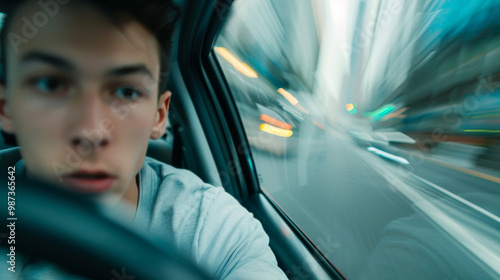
(128, 93)
(50, 84)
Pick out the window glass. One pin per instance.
(375, 125)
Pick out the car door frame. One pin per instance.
(204, 82)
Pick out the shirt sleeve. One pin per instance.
(232, 243)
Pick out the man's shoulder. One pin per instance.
(180, 199)
(162, 169)
(177, 186)
(167, 174)
(210, 226)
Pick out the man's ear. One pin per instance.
(5, 118)
(161, 115)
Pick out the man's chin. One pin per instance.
(108, 198)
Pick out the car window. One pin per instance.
(374, 125)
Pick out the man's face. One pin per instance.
(81, 97)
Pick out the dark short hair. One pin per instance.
(157, 16)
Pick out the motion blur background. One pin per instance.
(363, 113)
(375, 126)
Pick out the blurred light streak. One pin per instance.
(275, 130)
(485, 116)
(387, 155)
(381, 112)
(240, 66)
(275, 122)
(302, 109)
(482, 130)
(319, 125)
(397, 114)
(467, 171)
(351, 108)
(288, 96)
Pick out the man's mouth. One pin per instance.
(89, 181)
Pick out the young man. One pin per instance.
(82, 94)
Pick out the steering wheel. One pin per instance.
(73, 231)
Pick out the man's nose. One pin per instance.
(92, 122)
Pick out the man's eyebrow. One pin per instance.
(129, 70)
(67, 66)
(54, 60)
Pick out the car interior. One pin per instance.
(412, 133)
(205, 135)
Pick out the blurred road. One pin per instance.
(338, 194)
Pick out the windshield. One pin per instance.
(375, 126)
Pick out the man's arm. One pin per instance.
(232, 243)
